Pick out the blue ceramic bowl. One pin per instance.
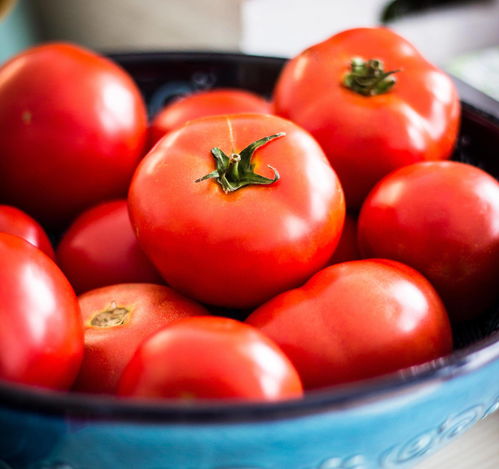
(389, 422)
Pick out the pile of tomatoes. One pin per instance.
(329, 217)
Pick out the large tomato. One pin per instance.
(244, 232)
(100, 248)
(442, 218)
(16, 222)
(41, 339)
(72, 129)
(205, 103)
(368, 119)
(210, 358)
(116, 319)
(357, 320)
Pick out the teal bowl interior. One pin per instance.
(388, 422)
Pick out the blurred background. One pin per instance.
(459, 35)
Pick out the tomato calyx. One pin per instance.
(236, 171)
(368, 78)
(111, 316)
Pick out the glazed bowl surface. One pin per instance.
(390, 422)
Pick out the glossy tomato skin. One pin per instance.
(241, 248)
(41, 340)
(139, 309)
(100, 248)
(210, 358)
(205, 103)
(72, 130)
(442, 219)
(357, 320)
(19, 223)
(365, 137)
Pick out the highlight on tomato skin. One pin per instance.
(210, 358)
(100, 248)
(116, 319)
(205, 103)
(41, 338)
(357, 320)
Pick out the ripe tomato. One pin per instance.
(442, 218)
(16, 222)
(348, 248)
(72, 129)
(100, 248)
(357, 320)
(41, 340)
(116, 319)
(210, 358)
(368, 120)
(229, 247)
(205, 103)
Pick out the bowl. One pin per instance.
(388, 422)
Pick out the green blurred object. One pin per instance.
(17, 30)
(479, 69)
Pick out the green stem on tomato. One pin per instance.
(236, 171)
(368, 78)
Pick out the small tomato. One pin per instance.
(116, 319)
(100, 248)
(210, 358)
(442, 218)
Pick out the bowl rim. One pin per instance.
(331, 399)
(458, 363)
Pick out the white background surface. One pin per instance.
(478, 448)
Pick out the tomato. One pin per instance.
(72, 129)
(230, 247)
(357, 320)
(16, 222)
(100, 248)
(210, 358)
(368, 119)
(442, 218)
(41, 340)
(205, 103)
(347, 249)
(116, 319)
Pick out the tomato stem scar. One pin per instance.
(111, 316)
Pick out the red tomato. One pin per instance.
(228, 247)
(100, 248)
(16, 222)
(368, 120)
(116, 319)
(72, 130)
(41, 340)
(357, 320)
(347, 249)
(210, 358)
(442, 218)
(205, 103)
